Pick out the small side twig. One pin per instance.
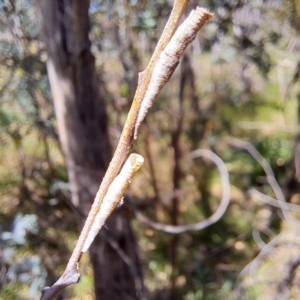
(284, 287)
(212, 219)
(157, 200)
(138, 279)
(267, 248)
(269, 172)
(257, 238)
(253, 265)
(274, 202)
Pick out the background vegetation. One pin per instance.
(239, 79)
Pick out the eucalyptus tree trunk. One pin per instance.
(82, 125)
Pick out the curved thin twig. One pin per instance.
(253, 265)
(274, 202)
(280, 202)
(250, 268)
(257, 238)
(269, 172)
(212, 219)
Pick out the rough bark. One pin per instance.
(82, 125)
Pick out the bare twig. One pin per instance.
(138, 280)
(150, 159)
(282, 242)
(257, 238)
(112, 198)
(269, 172)
(212, 219)
(286, 209)
(160, 68)
(275, 202)
(253, 265)
(284, 287)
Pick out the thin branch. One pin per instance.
(284, 287)
(253, 265)
(212, 219)
(257, 238)
(286, 209)
(160, 68)
(112, 198)
(138, 280)
(274, 202)
(269, 172)
(157, 200)
(274, 244)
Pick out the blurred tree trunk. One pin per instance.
(82, 125)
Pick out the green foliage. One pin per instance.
(11, 291)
